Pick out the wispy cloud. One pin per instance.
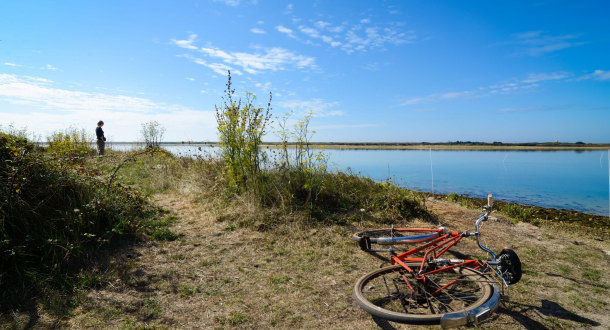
(538, 108)
(264, 59)
(362, 36)
(285, 30)
(517, 86)
(257, 31)
(437, 97)
(49, 67)
(39, 92)
(537, 43)
(188, 43)
(600, 75)
(532, 81)
(317, 107)
(56, 108)
(232, 3)
(289, 9)
(11, 64)
(538, 77)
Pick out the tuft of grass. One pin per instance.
(520, 213)
(591, 274)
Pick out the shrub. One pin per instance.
(71, 144)
(152, 134)
(241, 126)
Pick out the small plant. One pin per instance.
(520, 213)
(152, 134)
(453, 197)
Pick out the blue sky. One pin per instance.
(376, 71)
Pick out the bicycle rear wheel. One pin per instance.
(393, 236)
(384, 293)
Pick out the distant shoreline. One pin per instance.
(422, 146)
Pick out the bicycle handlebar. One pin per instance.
(487, 210)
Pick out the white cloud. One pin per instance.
(321, 24)
(219, 68)
(537, 43)
(600, 75)
(40, 93)
(188, 44)
(265, 59)
(49, 67)
(532, 81)
(537, 77)
(190, 78)
(11, 64)
(257, 31)
(354, 38)
(289, 9)
(232, 3)
(309, 31)
(56, 109)
(536, 108)
(285, 30)
(317, 107)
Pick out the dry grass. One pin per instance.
(219, 275)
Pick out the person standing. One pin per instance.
(101, 139)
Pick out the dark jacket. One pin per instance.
(100, 134)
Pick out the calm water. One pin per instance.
(558, 179)
(575, 180)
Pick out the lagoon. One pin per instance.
(563, 179)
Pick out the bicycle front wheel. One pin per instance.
(386, 294)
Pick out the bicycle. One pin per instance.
(431, 290)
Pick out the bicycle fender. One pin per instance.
(474, 316)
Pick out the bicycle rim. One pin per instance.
(384, 293)
(374, 234)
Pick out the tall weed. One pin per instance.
(241, 126)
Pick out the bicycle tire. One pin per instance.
(471, 290)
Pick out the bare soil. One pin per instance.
(219, 275)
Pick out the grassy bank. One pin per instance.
(57, 211)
